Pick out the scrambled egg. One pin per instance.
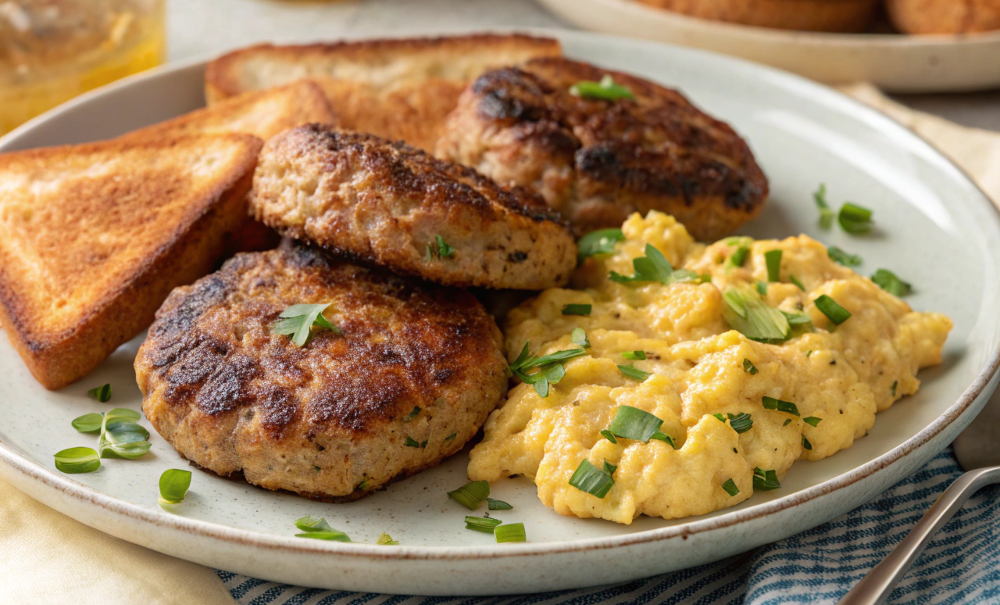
(841, 374)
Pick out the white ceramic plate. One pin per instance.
(895, 63)
(936, 230)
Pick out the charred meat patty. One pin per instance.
(413, 373)
(596, 161)
(399, 207)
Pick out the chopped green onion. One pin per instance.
(844, 258)
(765, 480)
(634, 355)
(825, 213)
(888, 281)
(741, 422)
(894, 385)
(89, 423)
(439, 248)
(720, 417)
(605, 90)
(511, 532)
(797, 318)
(748, 367)
(588, 478)
(786, 422)
(739, 256)
(451, 437)
(770, 403)
(654, 267)
(633, 423)
(634, 372)
(752, 317)
(77, 460)
(413, 414)
(174, 484)
(599, 242)
(609, 436)
(101, 393)
(579, 337)
(855, 219)
(550, 368)
(812, 420)
(832, 310)
(471, 495)
(483, 524)
(806, 444)
(297, 321)
(730, 487)
(797, 283)
(773, 260)
(762, 288)
(319, 529)
(658, 436)
(498, 504)
(385, 539)
(411, 442)
(576, 309)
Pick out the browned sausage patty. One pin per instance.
(413, 375)
(388, 203)
(597, 161)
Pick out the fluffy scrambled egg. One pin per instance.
(840, 374)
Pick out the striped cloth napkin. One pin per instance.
(961, 565)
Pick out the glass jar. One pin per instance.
(53, 50)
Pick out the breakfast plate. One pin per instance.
(934, 227)
(895, 63)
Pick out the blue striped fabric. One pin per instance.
(961, 565)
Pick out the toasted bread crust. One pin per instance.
(944, 16)
(90, 274)
(233, 396)
(803, 15)
(387, 202)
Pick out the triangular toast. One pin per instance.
(394, 88)
(93, 237)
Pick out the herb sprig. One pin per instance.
(297, 321)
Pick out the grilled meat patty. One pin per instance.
(399, 207)
(596, 161)
(413, 375)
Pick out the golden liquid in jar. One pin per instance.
(32, 84)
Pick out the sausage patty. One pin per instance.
(596, 161)
(411, 377)
(399, 207)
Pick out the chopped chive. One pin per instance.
(808, 353)
(633, 423)
(894, 385)
(451, 437)
(730, 487)
(588, 478)
(101, 393)
(510, 532)
(174, 485)
(797, 283)
(483, 524)
(76, 460)
(806, 444)
(770, 403)
(812, 420)
(605, 90)
(762, 288)
(797, 318)
(550, 368)
(739, 256)
(634, 355)
(825, 213)
(773, 260)
(634, 372)
(599, 242)
(748, 314)
(498, 504)
(609, 436)
(319, 529)
(471, 495)
(888, 281)
(579, 337)
(297, 321)
(576, 309)
(654, 267)
(411, 442)
(439, 248)
(658, 436)
(741, 422)
(720, 417)
(89, 423)
(832, 310)
(786, 422)
(413, 414)
(844, 258)
(748, 367)
(385, 539)
(855, 219)
(765, 480)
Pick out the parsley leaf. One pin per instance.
(297, 321)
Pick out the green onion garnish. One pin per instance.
(471, 495)
(739, 256)
(888, 281)
(894, 385)
(762, 288)
(77, 460)
(832, 310)
(748, 367)
(730, 487)
(550, 367)
(633, 423)
(786, 422)
(808, 353)
(498, 504)
(101, 393)
(451, 437)
(773, 260)
(797, 283)
(576, 309)
(797, 318)
(385, 539)
(855, 219)
(812, 420)
(588, 478)
(598, 242)
(609, 436)
(483, 524)
(806, 444)
(579, 337)
(297, 321)
(413, 414)
(634, 355)
(654, 267)
(605, 90)
(770, 403)
(411, 442)
(319, 529)
(765, 480)
(720, 417)
(89, 423)
(634, 373)
(752, 317)
(843, 258)
(825, 213)
(511, 532)
(741, 422)
(439, 248)
(174, 484)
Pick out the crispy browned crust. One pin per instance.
(805, 15)
(385, 202)
(944, 16)
(597, 161)
(86, 258)
(393, 88)
(232, 396)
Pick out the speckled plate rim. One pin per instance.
(20, 470)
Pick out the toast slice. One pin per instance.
(395, 88)
(94, 237)
(260, 113)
